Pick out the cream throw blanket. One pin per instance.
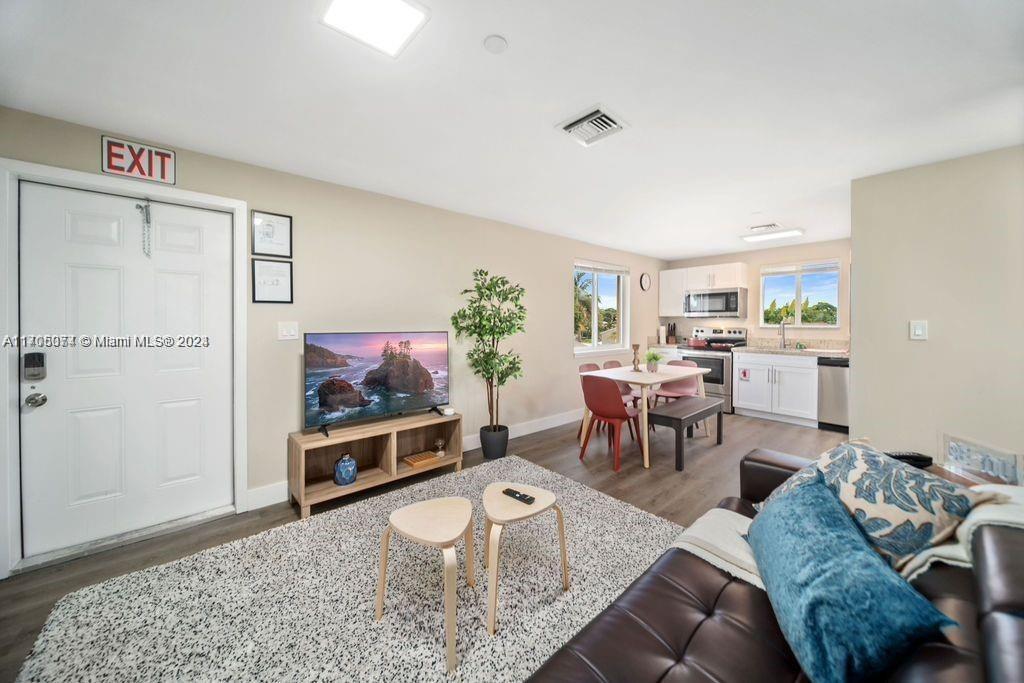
(717, 537)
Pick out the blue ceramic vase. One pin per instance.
(345, 471)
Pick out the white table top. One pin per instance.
(665, 373)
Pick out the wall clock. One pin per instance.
(645, 281)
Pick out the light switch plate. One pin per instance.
(287, 331)
(918, 330)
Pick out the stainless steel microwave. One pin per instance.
(716, 303)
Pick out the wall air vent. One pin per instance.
(589, 128)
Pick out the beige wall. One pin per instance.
(755, 260)
(365, 261)
(942, 243)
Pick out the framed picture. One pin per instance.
(271, 281)
(271, 234)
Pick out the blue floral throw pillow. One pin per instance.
(901, 509)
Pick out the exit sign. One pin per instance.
(136, 160)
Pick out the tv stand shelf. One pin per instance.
(377, 447)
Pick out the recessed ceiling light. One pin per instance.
(781, 234)
(495, 44)
(385, 25)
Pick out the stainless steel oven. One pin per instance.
(718, 382)
(716, 303)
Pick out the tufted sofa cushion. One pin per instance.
(682, 620)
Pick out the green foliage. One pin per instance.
(821, 313)
(582, 299)
(652, 356)
(493, 312)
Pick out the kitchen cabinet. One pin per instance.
(785, 386)
(717, 276)
(671, 289)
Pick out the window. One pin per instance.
(803, 295)
(599, 307)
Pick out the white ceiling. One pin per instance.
(733, 107)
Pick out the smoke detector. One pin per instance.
(591, 127)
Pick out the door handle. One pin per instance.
(35, 400)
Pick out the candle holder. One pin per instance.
(636, 358)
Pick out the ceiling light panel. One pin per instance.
(781, 234)
(384, 25)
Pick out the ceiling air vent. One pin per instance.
(588, 129)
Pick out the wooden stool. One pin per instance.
(438, 523)
(502, 510)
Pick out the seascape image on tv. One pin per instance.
(354, 376)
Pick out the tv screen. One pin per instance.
(360, 375)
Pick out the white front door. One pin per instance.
(128, 437)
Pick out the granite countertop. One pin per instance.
(789, 351)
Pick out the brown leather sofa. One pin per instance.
(686, 620)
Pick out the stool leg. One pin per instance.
(487, 539)
(451, 571)
(492, 577)
(470, 569)
(565, 554)
(382, 579)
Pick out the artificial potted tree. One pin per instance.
(493, 312)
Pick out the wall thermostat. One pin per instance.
(34, 366)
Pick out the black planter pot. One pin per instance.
(494, 443)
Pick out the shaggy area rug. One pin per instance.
(296, 602)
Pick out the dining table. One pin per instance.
(646, 381)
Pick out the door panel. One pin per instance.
(751, 388)
(796, 392)
(132, 436)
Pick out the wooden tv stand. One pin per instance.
(377, 447)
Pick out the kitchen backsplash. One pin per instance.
(773, 343)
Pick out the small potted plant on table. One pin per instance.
(653, 358)
(494, 311)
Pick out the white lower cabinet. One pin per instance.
(776, 385)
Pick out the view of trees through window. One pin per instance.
(597, 320)
(815, 287)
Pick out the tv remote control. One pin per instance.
(521, 497)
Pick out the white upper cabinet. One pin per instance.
(671, 287)
(729, 275)
(718, 276)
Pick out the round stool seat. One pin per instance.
(439, 522)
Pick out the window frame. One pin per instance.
(800, 269)
(595, 269)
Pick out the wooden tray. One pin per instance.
(421, 459)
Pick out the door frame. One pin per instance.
(13, 171)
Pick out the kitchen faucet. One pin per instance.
(782, 331)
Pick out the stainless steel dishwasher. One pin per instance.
(834, 394)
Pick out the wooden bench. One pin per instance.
(683, 413)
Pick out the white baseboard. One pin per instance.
(271, 494)
(471, 441)
(775, 417)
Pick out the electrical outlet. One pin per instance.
(287, 331)
(918, 330)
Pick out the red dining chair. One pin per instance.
(606, 407)
(585, 367)
(628, 398)
(680, 388)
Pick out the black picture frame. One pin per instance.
(252, 233)
(291, 282)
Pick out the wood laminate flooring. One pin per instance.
(712, 473)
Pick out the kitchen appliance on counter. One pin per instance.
(834, 394)
(715, 303)
(715, 354)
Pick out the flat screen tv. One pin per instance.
(359, 375)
